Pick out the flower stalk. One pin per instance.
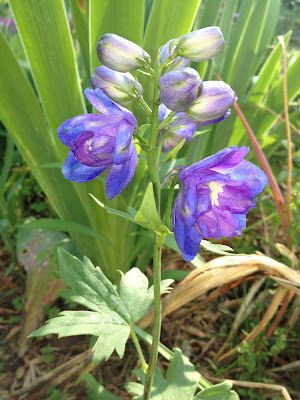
(158, 242)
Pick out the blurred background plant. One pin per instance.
(47, 52)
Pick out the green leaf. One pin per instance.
(96, 390)
(113, 311)
(170, 154)
(116, 212)
(80, 13)
(221, 391)
(216, 248)
(180, 383)
(44, 29)
(148, 216)
(136, 296)
(31, 134)
(51, 224)
(90, 284)
(112, 331)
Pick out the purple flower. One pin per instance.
(177, 63)
(177, 130)
(213, 104)
(100, 141)
(202, 44)
(214, 197)
(180, 88)
(121, 54)
(118, 86)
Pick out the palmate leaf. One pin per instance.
(180, 383)
(114, 310)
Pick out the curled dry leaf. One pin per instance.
(225, 271)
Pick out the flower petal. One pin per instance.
(187, 237)
(106, 106)
(245, 171)
(216, 223)
(77, 172)
(124, 144)
(226, 158)
(214, 121)
(101, 102)
(120, 175)
(236, 197)
(187, 201)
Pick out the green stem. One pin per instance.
(153, 133)
(166, 121)
(169, 204)
(144, 106)
(136, 342)
(157, 314)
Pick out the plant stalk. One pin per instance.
(157, 314)
(136, 342)
(153, 133)
(288, 131)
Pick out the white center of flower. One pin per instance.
(89, 143)
(215, 189)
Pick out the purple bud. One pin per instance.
(177, 63)
(180, 88)
(202, 44)
(120, 54)
(213, 104)
(120, 87)
(181, 127)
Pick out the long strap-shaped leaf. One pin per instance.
(23, 117)
(80, 12)
(44, 30)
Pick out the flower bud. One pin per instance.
(181, 127)
(202, 44)
(180, 88)
(120, 54)
(120, 87)
(213, 104)
(177, 63)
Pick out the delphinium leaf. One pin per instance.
(221, 391)
(114, 310)
(180, 383)
(147, 215)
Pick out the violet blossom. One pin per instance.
(214, 197)
(100, 141)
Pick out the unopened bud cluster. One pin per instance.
(181, 88)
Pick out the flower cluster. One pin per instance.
(216, 193)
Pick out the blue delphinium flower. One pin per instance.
(214, 197)
(180, 127)
(100, 141)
